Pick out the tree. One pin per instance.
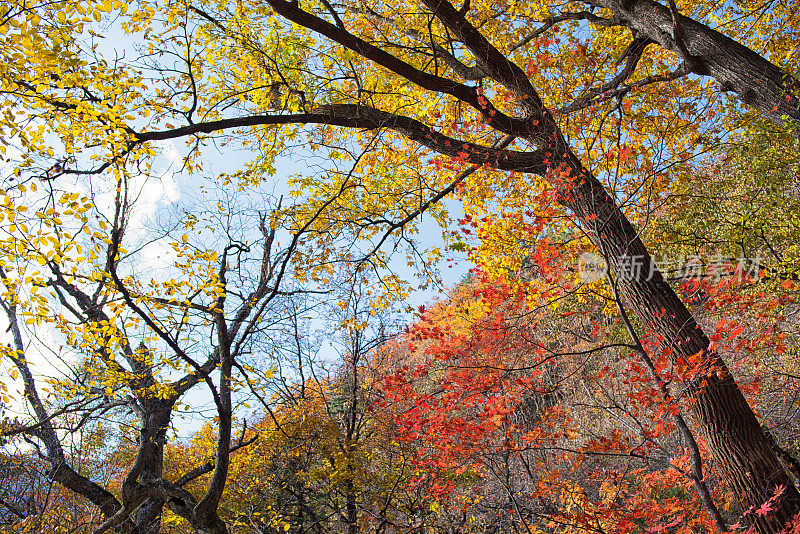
(728, 206)
(326, 458)
(422, 79)
(140, 346)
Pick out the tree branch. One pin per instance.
(552, 21)
(759, 83)
(470, 95)
(358, 116)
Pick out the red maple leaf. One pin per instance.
(765, 508)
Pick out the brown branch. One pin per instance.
(470, 95)
(615, 87)
(112, 259)
(500, 68)
(696, 476)
(464, 71)
(206, 509)
(208, 466)
(333, 13)
(552, 21)
(93, 311)
(460, 177)
(358, 116)
(604, 96)
(758, 82)
(177, 499)
(60, 470)
(680, 43)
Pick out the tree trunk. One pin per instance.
(726, 422)
(351, 512)
(153, 435)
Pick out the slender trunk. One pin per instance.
(350, 506)
(351, 437)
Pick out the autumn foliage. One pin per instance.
(215, 218)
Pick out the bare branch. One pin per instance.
(552, 21)
(358, 116)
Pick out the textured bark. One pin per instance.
(153, 436)
(738, 444)
(726, 422)
(759, 83)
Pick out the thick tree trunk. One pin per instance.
(154, 431)
(726, 422)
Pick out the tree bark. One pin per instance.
(153, 435)
(738, 445)
(726, 422)
(759, 83)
